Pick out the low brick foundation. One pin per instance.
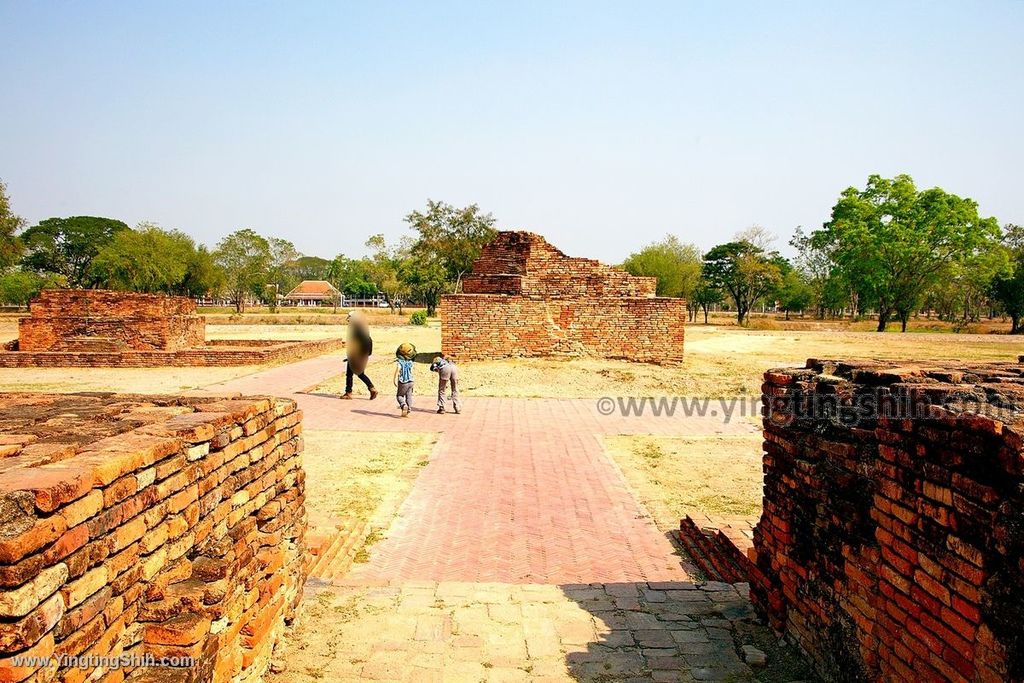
(720, 547)
(214, 353)
(892, 539)
(149, 527)
(526, 298)
(99, 328)
(101, 320)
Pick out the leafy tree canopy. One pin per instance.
(744, 271)
(676, 265)
(245, 258)
(453, 235)
(892, 242)
(10, 224)
(67, 246)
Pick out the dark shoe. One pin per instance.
(373, 394)
(456, 411)
(347, 396)
(440, 411)
(405, 411)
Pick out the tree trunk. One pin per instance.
(1016, 328)
(903, 323)
(883, 319)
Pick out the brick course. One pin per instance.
(98, 328)
(60, 319)
(149, 525)
(891, 541)
(526, 298)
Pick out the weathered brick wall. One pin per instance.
(526, 298)
(524, 263)
(100, 320)
(148, 526)
(891, 545)
(484, 326)
(218, 352)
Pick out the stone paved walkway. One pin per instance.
(520, 554)
(423, 631)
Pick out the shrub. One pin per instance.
(418, 318)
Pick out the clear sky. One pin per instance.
(602, 126)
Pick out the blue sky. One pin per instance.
(602, 126)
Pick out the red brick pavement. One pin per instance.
(519, 490)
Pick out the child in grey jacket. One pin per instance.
(447, 372)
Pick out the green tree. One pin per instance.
(744, 271)
(146, 259)
(676, 265)
(202, 276)
(19, 287)
(426, 278)
(310, 268)
(893, 243)
(1008, 287)
(794, 292)
(281, 278)
(67, 246)
(706, 295)
(386, 264)
(11, 247)
(829, 292)
(245, 258)
(452, 235)
(351, 276)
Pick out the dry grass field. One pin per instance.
(675, 476)
(721, 361)
(362, 475)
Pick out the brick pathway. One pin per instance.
(519, 491)
(519, 555)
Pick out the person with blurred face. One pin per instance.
(358, 348)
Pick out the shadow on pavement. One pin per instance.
(677, 631)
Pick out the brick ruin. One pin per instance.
(526, 298)
(891, 546)
(149, 527)
(99, 328)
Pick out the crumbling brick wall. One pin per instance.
(100, 320)
(148, 527)
(526, 298)
(891, 545)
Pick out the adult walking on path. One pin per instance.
(358, 348)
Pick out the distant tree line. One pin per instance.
(95, 252)
(888, 250)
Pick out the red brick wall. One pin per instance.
(219, 352)
(891, 545)
(157, 526)
(524, 263)
(526, 298)
(80, 319)
(487, 326)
